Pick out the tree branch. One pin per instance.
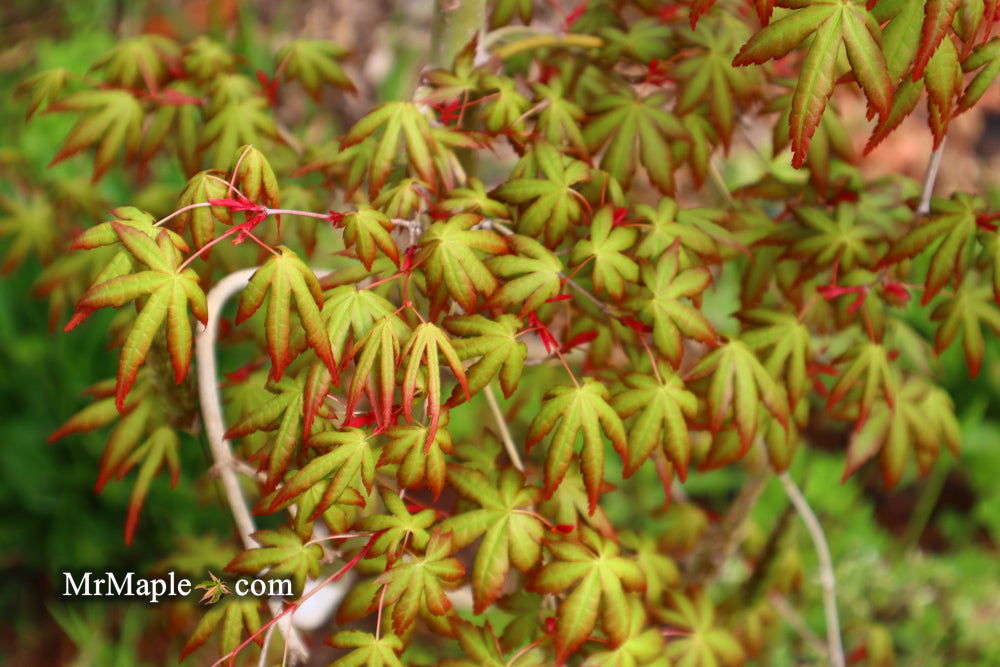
(930, 178)
(826, 574)
(224, 462)
(505, 437)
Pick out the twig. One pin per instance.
(224, 461)
(930, 178)
(797, 623)
(505, 437)
(826, 575)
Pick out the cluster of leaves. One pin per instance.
(580, 275)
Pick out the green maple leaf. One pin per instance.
(474, 199)
(230, 617)
(167, 293)
(830, 136)
(696, 229)
(600, 577)
(313, 63)
(347, 461)
(255, 177)
(460, 81)
(510, 533)
(496, 348)
(404, 199)
(281, 552)
(582, 410)
(985, 58)
(873, 362)
(426, 342)
(739, 384)
(561, 118)
(917, 421)
(204, 59)
(411, 584)
(139, 62)
(31, 224)
(953, 222)
(832, 25)
(503, 11)
(643, 646)
(788, 339)
(938, 15)
(819, 240)
(178, 122)
(570, 505)
(967, 310)
(450, 262)
(235, 124)
(663, 408)
(417, 464)
(375, 369)
(708, 75)
(43, 88)
(660, 570)
(703, 643)
(201, 221)
(605, 246)
(505, 107)
(400, 528)
(635, 129)
(534, 274)
(554, 205)
(643, 41)
(368, 229)
(400, 121)
(159, 449)
(666, 312)
(110, 119)
(350, 313)
(280, 278)
(368, 650)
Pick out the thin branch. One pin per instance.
(798, 624)
(930, 178)
(505, 437)
(826, 575)
(224, 461)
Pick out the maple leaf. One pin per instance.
(422, 349)
(601, 576)
(510, 533)
(663, 408)
(696, 229)
(554, 204)
(938, 15)
(215, 588)
(819, 240)
(375, 369)
(919, 418)
(450, 262)
(660, 570)
(535, 271)
(43, 88)
(368, 229)
(410, 584)
(504, 108)
(702, 643)
(830, 137)
(256, 178)
(967, 310)
(666, 312)
(833, 24)
(605, 246)
(280, 278)
(560, 118)
(503, 11)
(31, 223)
(418, 464)
(234, 124)
(480, 647)
(281, 552)
(474, 199)
(953, 221)
(496, 348)
(644, 40)
(397, 118)
(368, 650)
(137, 62)
(168, 294)
(109, 119)
(350, 314)
(788, 339)
(873, 361)
(313, 63)
(579, 410)
(202, 187)
(347, 461)
(205, 58)
(739, 384)
(985, 58)
(643, 644)
(231, 617)
(398, 528)
(635, 129)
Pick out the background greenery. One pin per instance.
(922, 560)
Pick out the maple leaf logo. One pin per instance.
(215, 588)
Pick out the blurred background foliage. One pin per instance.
(922, 561)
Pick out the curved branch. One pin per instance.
(826, 575)
(224, 462)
